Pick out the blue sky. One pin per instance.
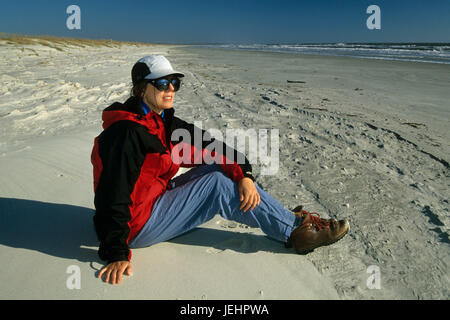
(233, 21)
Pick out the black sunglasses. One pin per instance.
(163, 84)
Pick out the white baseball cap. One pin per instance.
(152, 67)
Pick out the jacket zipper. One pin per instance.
(171, 163)
(156, 121)
(167, 138)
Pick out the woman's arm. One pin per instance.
(121, 153)
(233, 163)
(239, 171)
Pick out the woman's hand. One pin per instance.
(248, 194)
(114, 271)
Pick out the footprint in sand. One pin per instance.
(231, 224)
(213, 250)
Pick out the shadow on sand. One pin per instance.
(230, 240)
(59, 230)
(65, 231)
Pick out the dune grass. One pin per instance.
(62, 43)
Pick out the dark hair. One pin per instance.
(138, 89)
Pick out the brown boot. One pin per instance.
(315, 232)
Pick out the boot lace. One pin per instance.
(317, 221)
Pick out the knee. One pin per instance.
(216, 176)
(221, 181)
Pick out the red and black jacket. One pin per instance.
(132, 160)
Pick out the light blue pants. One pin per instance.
(201, 193)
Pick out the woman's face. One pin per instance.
(158, 100)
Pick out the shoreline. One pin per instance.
(327, 54)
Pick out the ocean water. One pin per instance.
(418, 52)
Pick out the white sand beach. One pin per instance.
(365, 140)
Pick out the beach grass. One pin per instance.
(62, 43)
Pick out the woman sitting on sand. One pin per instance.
(137, 202)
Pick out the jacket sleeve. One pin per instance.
(233, 163)
(122, 150)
